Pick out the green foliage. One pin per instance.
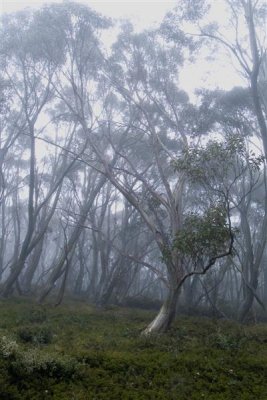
(36, 335)
(35, 315)
(8, 347)
(225, 341)
(99, 354)
(216, 169)
(218, 164)
(34, 362)
(203, 235)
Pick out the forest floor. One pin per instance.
(77, 352)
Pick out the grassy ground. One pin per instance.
(76, 352)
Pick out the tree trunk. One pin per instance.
(80, 278)
(72, 241)
(247, 304)
(91, 291)
(16, 268)
(265, 284)
(32, 267)
(166, 315)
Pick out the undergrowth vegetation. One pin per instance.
(77, 352)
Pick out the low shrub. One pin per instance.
(225, 341)
(99, 354)
(33, 361)
(32, 315)
(35, 335)
(8, 347)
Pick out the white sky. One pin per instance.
(143, 14)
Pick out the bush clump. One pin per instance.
(225, 341)
(33, 315)
(35, 335)
(8, 347)
(33, 361)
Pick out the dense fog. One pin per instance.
(118, 187)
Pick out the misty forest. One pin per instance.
(133, 257)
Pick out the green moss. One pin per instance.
(99, 354)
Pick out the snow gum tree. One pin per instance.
(145, 124)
